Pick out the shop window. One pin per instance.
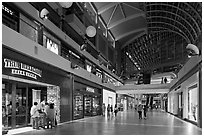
(78, 106)
(28, 28)
(193, 103)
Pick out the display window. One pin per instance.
(78, 106)
(96, 105)
(193, 103)
(87, 105)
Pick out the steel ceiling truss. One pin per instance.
(180, 12)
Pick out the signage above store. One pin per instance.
(18, 68)
(90, 89)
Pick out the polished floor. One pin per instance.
(126, 123)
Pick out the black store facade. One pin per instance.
(24, 81)
(87, 98)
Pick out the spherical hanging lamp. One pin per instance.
(91, 31)
(44, 13)
(66, 4)
(193, 49)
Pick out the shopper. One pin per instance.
(140, 111)
(108, 111)
(51, 116)
(115, 110)
(111, 110)
(145, 112)
(103, 109)
(46, 108)
(34, 115)
(165, 80)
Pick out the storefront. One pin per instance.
(87, 99)
(109, 97)
(25, 81)
(193, 103)
(184, 101)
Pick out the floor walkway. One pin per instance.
(126, 123)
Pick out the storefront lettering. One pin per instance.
(22, 69)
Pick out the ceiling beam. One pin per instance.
(177, 15)
(143, 91)
(112, 14)
(142, 14)
(130, 32)
(166, 4)
(132, 39)
(106, 7)
(171, 26)
(169, 30)
(132, 7)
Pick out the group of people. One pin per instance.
(139, 109)
(43, 115)
(110, 110)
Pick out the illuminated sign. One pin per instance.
(18, 68)
(52, 46)
(90, 89)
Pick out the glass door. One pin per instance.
(21, 105)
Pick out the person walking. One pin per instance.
(108, 111)
(165, 80)
(145, 112)
(103, 109)
(111, 110)
(115, 110)
(51, 116)
(140, 111)
(35, 115)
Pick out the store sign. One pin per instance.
(90, 89)
(18, 68)
(52, 46)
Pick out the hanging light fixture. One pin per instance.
(91, 31)
(193, 50)
(44, 13)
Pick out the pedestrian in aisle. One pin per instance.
(165, 80)
(140, 111)
(35, 115)
(145, 112)
(111, 110)
(108, 111)
(103, 109)
(115, 110)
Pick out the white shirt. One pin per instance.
(34, 111)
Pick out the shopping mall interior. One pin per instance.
(86, 56)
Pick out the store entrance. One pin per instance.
(18, 98)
